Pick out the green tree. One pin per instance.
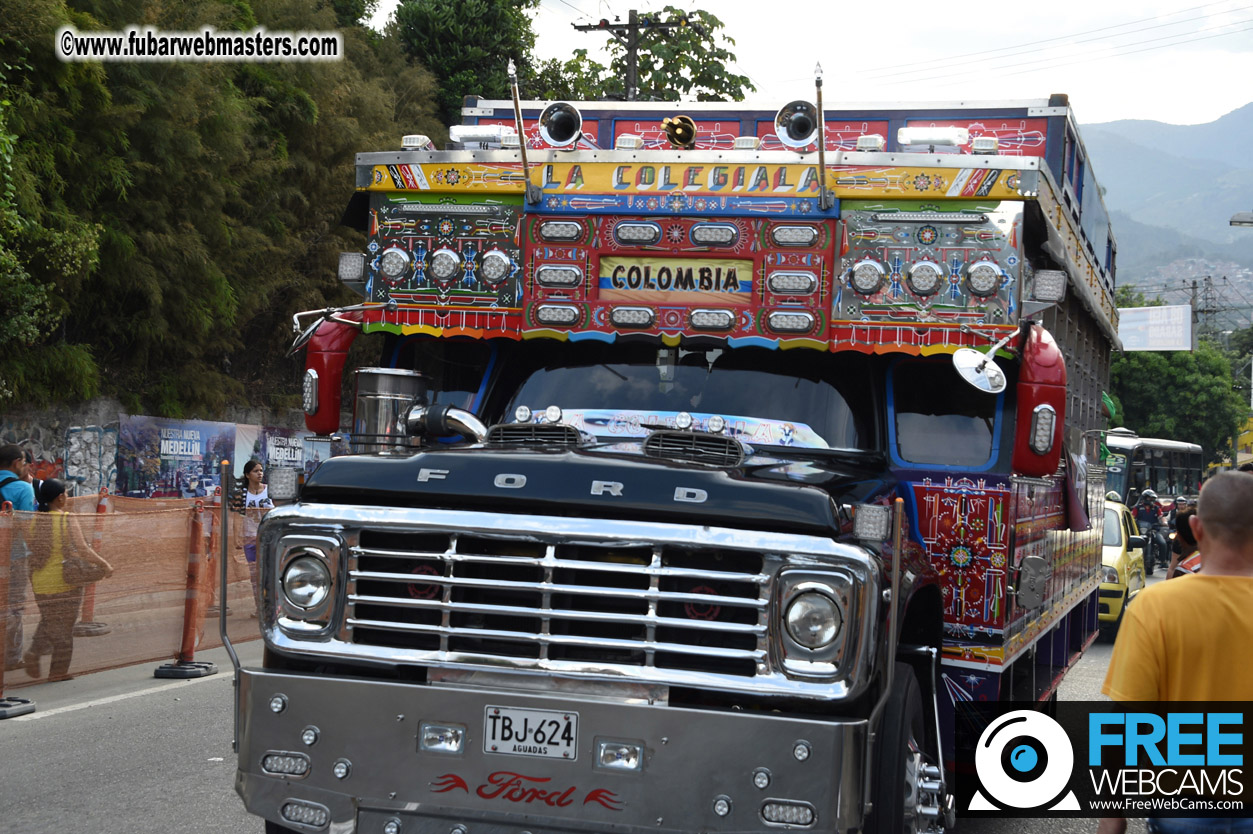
(690, 61)
(1128, 296)
(467, 44)
(1180, 395)
(160, 223)
(576, 79)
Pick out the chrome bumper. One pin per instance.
(692, 759)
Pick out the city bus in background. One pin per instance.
(1168, 467)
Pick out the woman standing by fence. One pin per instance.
(256, 504)
(57, 576)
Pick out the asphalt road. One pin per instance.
(122, 752)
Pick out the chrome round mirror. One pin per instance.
(979, 370)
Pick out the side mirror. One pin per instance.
(1136, 542)
(979, 370)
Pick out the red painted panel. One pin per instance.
(591, 132)
(326, 352)
(1016, 137)
(840, 135)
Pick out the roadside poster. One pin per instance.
(159, 457)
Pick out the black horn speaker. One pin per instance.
(561, 124)
(796, 124)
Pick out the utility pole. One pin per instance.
(628, 35)
(1195, 318)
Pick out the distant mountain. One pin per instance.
(1228, 139)
(1171, 190)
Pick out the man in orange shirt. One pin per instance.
(1192, 639)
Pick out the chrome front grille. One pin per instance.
(483, 600)
(694, 446)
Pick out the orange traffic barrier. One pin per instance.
(150, 542)
(9, 707)
(187, 666)
(87, 626)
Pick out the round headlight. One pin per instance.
(494, 267)
(867, 277)
(306, 582)
(394, 263)
(924, 278)
(813, 620)
(444, 264)
(984, 279)
(1109, 574)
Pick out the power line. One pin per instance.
(926, 67)
(1053, 63)
(1087, 32)
(1070, 42)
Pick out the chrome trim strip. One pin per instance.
(559, 614)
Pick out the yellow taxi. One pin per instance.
(1122, 566)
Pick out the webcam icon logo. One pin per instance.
(1024, 761)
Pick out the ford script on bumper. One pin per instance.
(547, 733)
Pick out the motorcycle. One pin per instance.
(1156, 548)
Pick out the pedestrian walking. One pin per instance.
(55, 537)
(1177, 642)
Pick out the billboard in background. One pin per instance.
(283, 448)
(1155, 328)
(162, 458)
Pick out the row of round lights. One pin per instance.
(708, 320)
(494, 265)
(924, 278)
(647, 232)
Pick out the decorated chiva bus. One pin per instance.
(710, 456)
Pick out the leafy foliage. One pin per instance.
(161, 222)
(689, 61)
(1177, 395)
(467, 44)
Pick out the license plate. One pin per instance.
(546, 733)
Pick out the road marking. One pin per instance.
(32, 716)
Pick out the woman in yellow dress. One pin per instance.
(53, 535)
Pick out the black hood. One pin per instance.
(763, 493)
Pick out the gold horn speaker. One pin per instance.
(796, 124)
(561, 124)
(680, 130)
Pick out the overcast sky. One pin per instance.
(1178, 62)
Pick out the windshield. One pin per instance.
(795, 398)
(1113, 529)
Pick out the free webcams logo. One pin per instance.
(1024, 761)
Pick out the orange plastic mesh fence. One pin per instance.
(134, 615)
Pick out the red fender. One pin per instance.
(1041, 383)
(325, 355)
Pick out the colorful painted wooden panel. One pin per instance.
(1015, 136)
(444, 250)
(965, 525)
(867, 182)
(955, 263)
(500, 177)
(840, 134)
(530, 128)
(597, 276)
(711, 134)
